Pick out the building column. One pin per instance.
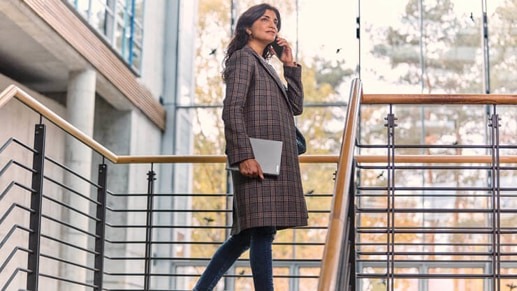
(80, 109)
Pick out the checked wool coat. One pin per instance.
(257, 104)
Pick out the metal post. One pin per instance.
(38, 162)
(422, 61)
(486, 47)
(229, 281)
(151, 177)
(390, 244)
(486, 55)
(352, 229)
(487, 89)
(496, 203)
(347, 274)
(358, 37)
(100, 227)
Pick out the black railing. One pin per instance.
(100, 227)
(38, 161)
(118, 247)
(447, 230)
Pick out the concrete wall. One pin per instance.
(132, 133)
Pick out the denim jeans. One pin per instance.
(259, 241)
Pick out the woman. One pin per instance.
(259, 105)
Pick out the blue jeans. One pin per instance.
(259, 241)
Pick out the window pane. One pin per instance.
(82, 7)
(421, 46)
(117, 30)
(502, 31)
(98, 16)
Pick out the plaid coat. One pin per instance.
(257, 104)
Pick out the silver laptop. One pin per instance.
(268, 154)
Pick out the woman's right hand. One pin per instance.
(251, 168)
(287, 57)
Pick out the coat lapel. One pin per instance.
(271, 71)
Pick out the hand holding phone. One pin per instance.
(279, 50)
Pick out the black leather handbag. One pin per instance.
(300, 142)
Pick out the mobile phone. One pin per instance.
(278, 48)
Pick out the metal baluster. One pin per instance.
(38, 162)
(100, 227)
(151, 177)
(390, 255)
(496, 197)
(352, 231)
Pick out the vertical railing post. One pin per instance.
(347, 275)
(100, 227)
(38, 162)
(352, 229)
(496, 201)
(229, 281)
(390, 247)
(151, 177)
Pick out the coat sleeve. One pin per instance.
(239, 77)
(293, 76)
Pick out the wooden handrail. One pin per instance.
(338, 216)
(436, 159)
(325, 159)
(439, 99)
(307, 159)
(12, 91)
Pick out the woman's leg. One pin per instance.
(261, 257)
(222, 260)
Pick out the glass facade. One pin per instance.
(435, 47)
(120, 22)
(399, 46)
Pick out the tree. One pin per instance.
(447, 44)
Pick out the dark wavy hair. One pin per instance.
(241, 37)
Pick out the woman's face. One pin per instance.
(264, 29)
